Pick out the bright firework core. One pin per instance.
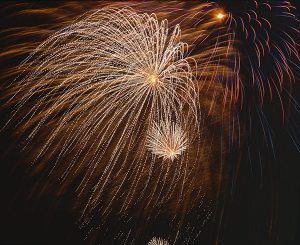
(220, 15)
(172, 153)
(152, 79)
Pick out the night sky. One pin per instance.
(246, 189)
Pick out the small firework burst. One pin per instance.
(167, 139)
(158, 241)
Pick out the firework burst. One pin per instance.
(167, 140)
(101, 81)
(158, 241)
(268, 31)
(90, 98)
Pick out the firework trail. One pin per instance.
(269, 33)
(103, 82)
(267, 41)
(140, 111)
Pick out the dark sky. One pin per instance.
(23, 222)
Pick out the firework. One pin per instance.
(136, 113)
(269, 35)
(92, 96)
(158, 241)
(167, 140)
(101, 82)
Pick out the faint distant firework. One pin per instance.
(158, 241)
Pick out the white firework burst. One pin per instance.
(158, 241)
(167, 139)
(96, 85)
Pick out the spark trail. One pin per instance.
(103, 81)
